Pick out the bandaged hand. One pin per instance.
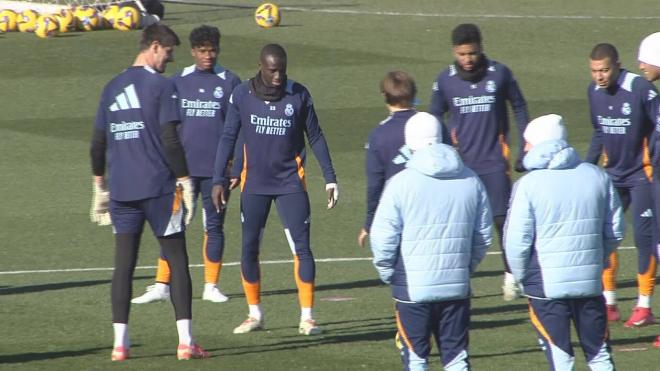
(100, 213)
(333, 194)
(185, 185)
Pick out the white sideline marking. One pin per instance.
(459, 15)
(324, 260)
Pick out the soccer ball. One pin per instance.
(110, 15)
(267, 15)
(128, 18)
(88, 18)
(27, 20)
(7, 21)
(47, 26)
(66, 20)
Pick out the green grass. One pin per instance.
(50, 89)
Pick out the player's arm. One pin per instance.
(482, 236)
(614, 225)
(321, 152)
(375, 172)
(225, 151)
(596, 144)
(438, 108)
(385, 233)
(519, 106)
(519, 231)
(99, 212)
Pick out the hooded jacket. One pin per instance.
(564, 220)
(432, 227)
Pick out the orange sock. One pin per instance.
(163, 271)
(211, 269)
(305, 289)
(252, 291)
(646, 280)
(609, 273)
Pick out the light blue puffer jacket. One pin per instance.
(432, 227)
(564, 220)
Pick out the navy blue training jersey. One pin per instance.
(387, 154)
(623, 121)
(274, 140)
(478, 121)
(133, 107)
(203, 101)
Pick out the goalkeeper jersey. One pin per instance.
(273, 133)
(203, 100)
(478, 121)
(132, 108)
(622, 117)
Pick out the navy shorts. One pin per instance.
(498, 187)
(164, 214)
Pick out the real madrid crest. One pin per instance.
(625, 108)
(288, 110)
(490, 86)
(218, 93)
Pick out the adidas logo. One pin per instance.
(126, 100)
(652, 94)
(647, 213)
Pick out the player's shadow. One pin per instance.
(54, 286)
(482, 325)
(519, 351)
(328, 287)
(481, 274)
(500, 309)
(33, 356)
(643, 341)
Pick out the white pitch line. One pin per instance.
(459, 15)
(229, 264)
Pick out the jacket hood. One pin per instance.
(551, 154)
(437, 160)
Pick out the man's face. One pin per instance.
(273, 70)
(651, 72)
(604, 72)
(467, 55)
(205, 56)
(162, 56)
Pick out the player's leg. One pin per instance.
(214, 241)
(643, 224)
(552, 320)
(452, 333)
(498, 187)
(165, 216)
(590, 319)
(254, 212)
(128, 221)
(413, 322)
(294, 211)
(656, 213)
(610, 272)
(161, 289)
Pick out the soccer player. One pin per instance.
(426, 243)
(564, 220)
(649, 63)
(386, 150)
(136, 126)
(273, 114)
(203, 91)
(621, 114)
(473, 91)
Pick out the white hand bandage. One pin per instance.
(188, 197)
(99, 213)
(333, 194)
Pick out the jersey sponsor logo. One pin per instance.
(288, 110)
(474, 104)
(218, 92)
(200, 108)
(126, 130)
(625, 108)
(491, 86)
(126, 100)
(611, 125)
(269, 125)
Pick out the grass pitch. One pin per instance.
(60, 320)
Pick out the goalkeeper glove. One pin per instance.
(333, 194)
(185, 185)
(100, 213)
